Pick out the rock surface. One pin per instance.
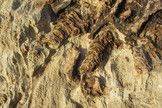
(80, 53)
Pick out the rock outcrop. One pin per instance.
(80, 53)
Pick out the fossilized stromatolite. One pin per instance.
(81, 53)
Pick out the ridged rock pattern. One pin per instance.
(81, 53)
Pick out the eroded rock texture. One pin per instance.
(81, 53)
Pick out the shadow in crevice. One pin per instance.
(71, 5)
(131, 17)
(16, 4)
(149, 20)
(15, 100)
(27, 33)
(47, 15)
(26, 37)
(106, 56)
(114, 69)
(38, 70)
(120, 8)
(76, 73)
(148, 60)
(77, 105)
(102, 80)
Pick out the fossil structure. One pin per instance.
(81, 53)
(128, 16)
(71, 24)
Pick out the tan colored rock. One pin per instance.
(70, 68)
(122, 71)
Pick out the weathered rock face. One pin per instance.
(81, 53)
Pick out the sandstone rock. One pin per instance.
(80, 53)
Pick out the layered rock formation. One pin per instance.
(81, 53)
